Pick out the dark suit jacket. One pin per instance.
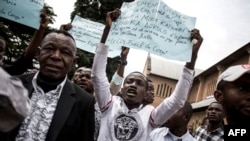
(73, 119)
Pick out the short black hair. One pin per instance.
(188, 109)
(145, 78)
(221, 85)
(216, 102)
(62, 32)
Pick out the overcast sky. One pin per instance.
(224, 25)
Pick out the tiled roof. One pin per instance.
(167, 68)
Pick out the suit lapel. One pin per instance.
(64, 106)
(27, 83)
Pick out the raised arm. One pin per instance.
(25, 61)
(100, 81)
(123, 63)
(195, 36)
(177, 99)
(116, 82)
(110, 17)
(32, 48)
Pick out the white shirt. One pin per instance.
(15, 102)
(119, 123)
(164, 134)
(43, 105)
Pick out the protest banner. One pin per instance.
(26, 12)
(154, 27)
(87, 34)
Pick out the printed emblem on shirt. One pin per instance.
(127, 127)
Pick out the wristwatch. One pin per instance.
(122, 63)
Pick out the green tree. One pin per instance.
(95, 10)
(19, 36)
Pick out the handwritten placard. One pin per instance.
(25, 12)
(87, 34)
(152, 26)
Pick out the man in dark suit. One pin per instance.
(60, 110)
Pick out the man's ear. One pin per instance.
(76, 58)
(38, 52)
(121, 91)
(186, 116)
(218, 95)
(75, 61)
(145, 96)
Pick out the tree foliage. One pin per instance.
(19, 36)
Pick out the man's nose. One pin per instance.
(134, 83)
(56, 54)
(82, 76)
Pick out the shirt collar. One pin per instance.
(125, 109)
(174, 137)
(58, 89)
(215, 130)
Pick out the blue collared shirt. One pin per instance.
(164, 134)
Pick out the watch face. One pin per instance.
(123, 63)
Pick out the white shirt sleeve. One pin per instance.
(100, 81)
(115, 84)
(177, 99)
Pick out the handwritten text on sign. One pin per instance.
(87, 34)
(152, 26)
(26, 12)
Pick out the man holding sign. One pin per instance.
(124, 117)
(153, 26)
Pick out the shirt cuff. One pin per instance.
(117, 79)
(188, 71)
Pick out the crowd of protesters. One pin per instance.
(48, 106)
